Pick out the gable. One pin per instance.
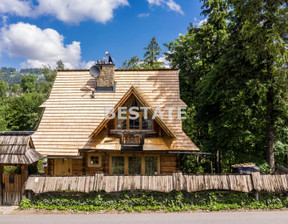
(134, 92)
(71, 115)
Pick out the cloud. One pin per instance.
(87, 65)
(142, 15)
(169, 3)
(68, 11)
(39, 47)
(199, 23)
(75, 11)
(16, 7)
(165, 61)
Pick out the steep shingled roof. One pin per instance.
(17, 148)
(71, 115)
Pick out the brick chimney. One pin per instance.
(106, 77)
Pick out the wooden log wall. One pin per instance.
(49, 170)
(78, 167)
(162, 183)
(90, 170)
(169, 163)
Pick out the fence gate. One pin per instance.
(11, 189)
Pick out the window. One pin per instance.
(146, 123)
(117, 165)
(122, 122)
(134, 123)
(128, 123)
(134, 165)
(94, 160)
(150, 165)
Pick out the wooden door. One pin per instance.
(12, 189)
(62, 167)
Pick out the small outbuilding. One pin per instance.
(16, 149)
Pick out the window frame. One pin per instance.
(126, 162)
(128, 122)
(89, 160)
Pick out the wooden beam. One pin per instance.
(1, 190)
(24, 177)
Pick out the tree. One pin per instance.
(263, 27)
(23, 113)
(151, 55)
(3, 104)
(195, 54)
(28, 83)
(15, 90)
(133, 63)
(49, 74)
(3, 90)
(60, 65)
(233, 72)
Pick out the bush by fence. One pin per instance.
(168, 202)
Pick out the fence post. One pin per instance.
(98, 181)
(177, 180)
(256, 182)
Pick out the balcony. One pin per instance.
(132, 140)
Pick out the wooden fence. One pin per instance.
(162, 183)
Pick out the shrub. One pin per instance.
(139, 201)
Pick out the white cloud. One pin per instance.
(199, 23)
(172, 5)
(16, 7)
(75, 11)
(87, 65)
(39, 47)
(165, 61)
(68, 11)
(142, 15)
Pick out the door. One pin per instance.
(11, 189)
(62, 167)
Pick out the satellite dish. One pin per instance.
(95, 71)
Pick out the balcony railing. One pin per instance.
(132, 140)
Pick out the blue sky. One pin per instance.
(34, 33)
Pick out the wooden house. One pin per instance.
(79, 139)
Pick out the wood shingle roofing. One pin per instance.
(71, 115)
(17, 148)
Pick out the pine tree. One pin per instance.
(60, 65)
(151, 55)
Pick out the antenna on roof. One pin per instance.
(95, 72)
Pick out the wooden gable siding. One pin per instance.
(71, 115)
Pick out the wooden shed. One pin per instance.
(16, 149)
(79, 139)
